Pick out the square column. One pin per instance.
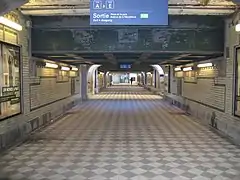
(96, 88)
(83, 72)
(105, 80)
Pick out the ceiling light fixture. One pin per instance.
(237, 27)
(187, 69)
(10, 23)
(205, 65)
(50, 65)
(177, 69)
(65, 68)
(74, 69)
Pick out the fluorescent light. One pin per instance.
(205, 65)
(65, 68)
(50, 65)
(187, 69)
(237, 28)
(74, 69)
(10, 23)
(177, 69)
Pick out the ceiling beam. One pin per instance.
(173, 10)
(144, 56)
(111, 58)
(180, 56)
(75, 56)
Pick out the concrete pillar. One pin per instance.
(96, 82)
(145, 78)
(157, 77)
(105, 80)
(83, 71)
(138, 78)
(154, 78)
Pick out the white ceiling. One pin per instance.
(81, 7)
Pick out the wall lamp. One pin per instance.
(74, 69)
(237, 27)
(205, 65)
(50, 65)
(187, 69)
(10, 23)
(177, 69)
(63, 68)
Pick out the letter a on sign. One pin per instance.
(97, 4)
(110, 4)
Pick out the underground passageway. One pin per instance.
(123, 133)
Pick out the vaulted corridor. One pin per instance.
(123, 133)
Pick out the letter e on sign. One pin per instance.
(110, 4)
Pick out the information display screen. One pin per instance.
(129, 12)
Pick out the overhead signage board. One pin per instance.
(129, 12)
(125, 66)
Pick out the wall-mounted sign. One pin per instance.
(10, 89)
(125, 12)
(10, 94)
(7, 98)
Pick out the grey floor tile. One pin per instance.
(123, 133)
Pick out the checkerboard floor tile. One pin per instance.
(123, 133)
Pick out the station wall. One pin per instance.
(209, 93)
(40, 100)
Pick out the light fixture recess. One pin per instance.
(51, 65)
(10, 23)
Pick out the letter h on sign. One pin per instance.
(110, 4)
(97, 4)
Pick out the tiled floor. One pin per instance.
(123, 134)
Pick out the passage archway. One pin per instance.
(92, 79)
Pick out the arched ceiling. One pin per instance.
(81, 7)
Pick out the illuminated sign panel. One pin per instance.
(129, 12)
(125, 66)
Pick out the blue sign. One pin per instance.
(125, 66)
(129, 12)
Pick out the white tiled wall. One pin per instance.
(49, 91)
(206, 92)
(219, 97)
(38, 95)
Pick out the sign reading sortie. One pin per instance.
(129, 12)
